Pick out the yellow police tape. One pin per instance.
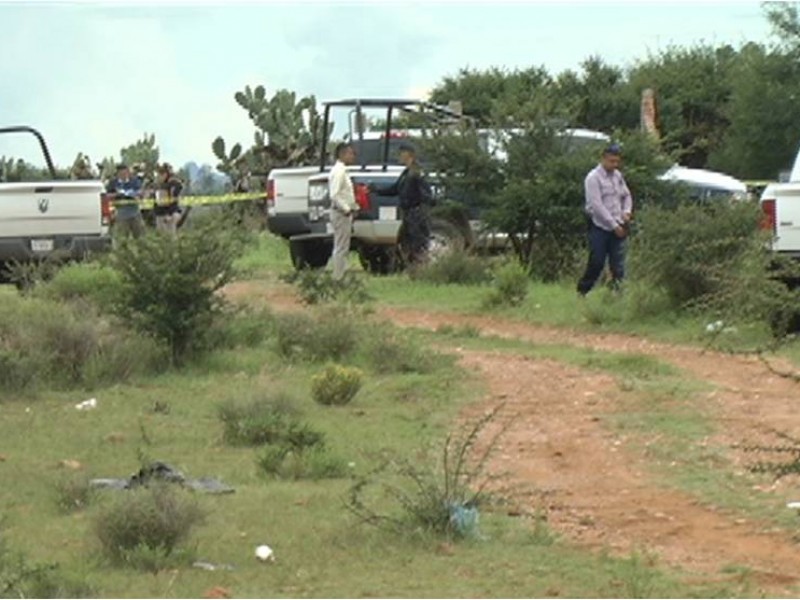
(196, 200)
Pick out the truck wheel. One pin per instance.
(445, 238)
(309, 254)
(379, 260)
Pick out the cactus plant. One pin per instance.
(288, 133)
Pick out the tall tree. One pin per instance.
(692, 88)
(764, 115)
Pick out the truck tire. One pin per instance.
(309, 254)
(379, 260)
(445, 238)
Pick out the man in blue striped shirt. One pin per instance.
(608, 206)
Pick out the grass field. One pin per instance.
(321, 549)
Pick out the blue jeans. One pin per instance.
(603, 245)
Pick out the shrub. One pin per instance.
(315, 463)
(170, 285)
(510, 286)
(147, 527)
(30, 274)
(331, 335)
(336, 385)
(242, 327)
(692, 251)
(317, 286)
(454, 268)
(91, 282)
(64, 345)
(73, 493)
(388, 350)
(437, 495)
(267, 420)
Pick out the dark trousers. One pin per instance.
(603, 245)
(415, 233)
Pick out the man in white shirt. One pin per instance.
(343, 207)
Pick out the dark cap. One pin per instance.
(121, 167)
(613, 149)
(406, 147)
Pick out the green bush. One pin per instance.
(331, 335)
(336, 385)
(92, 282)
(692, 251)
(170, 285)
(73, 493)
(459, 268)
(437, 493)
(242, 327)
(510, 286)
(317, 286)
(315, 463)
(388, 350)
(148, 527)
(267, 420)
(46, 342)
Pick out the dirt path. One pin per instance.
(595, 489)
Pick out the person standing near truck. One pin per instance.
(127, 191)
(166, 210)
(343, 207)
(609, 206)
(415, 197)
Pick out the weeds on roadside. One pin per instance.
(440, 496)
(317, 286)
(509, 286)
(388, 350)
(466, 331)
(456, 267)
(332, 335)
(791, 449)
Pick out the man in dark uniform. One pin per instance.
(414, 195)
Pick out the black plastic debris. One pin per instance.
(159, 471)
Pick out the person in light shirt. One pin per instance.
(343, 208)
(608, 206)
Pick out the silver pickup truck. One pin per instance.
(42, 219)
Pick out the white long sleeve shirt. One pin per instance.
(340, 188)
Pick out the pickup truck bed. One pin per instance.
(68, 219)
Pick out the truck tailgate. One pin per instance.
(50, 208)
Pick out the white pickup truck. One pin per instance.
(780, 203)
(51, 219)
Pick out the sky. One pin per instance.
(94, 77)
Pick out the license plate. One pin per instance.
(328, 227)
(42, 245)
(387, 213)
